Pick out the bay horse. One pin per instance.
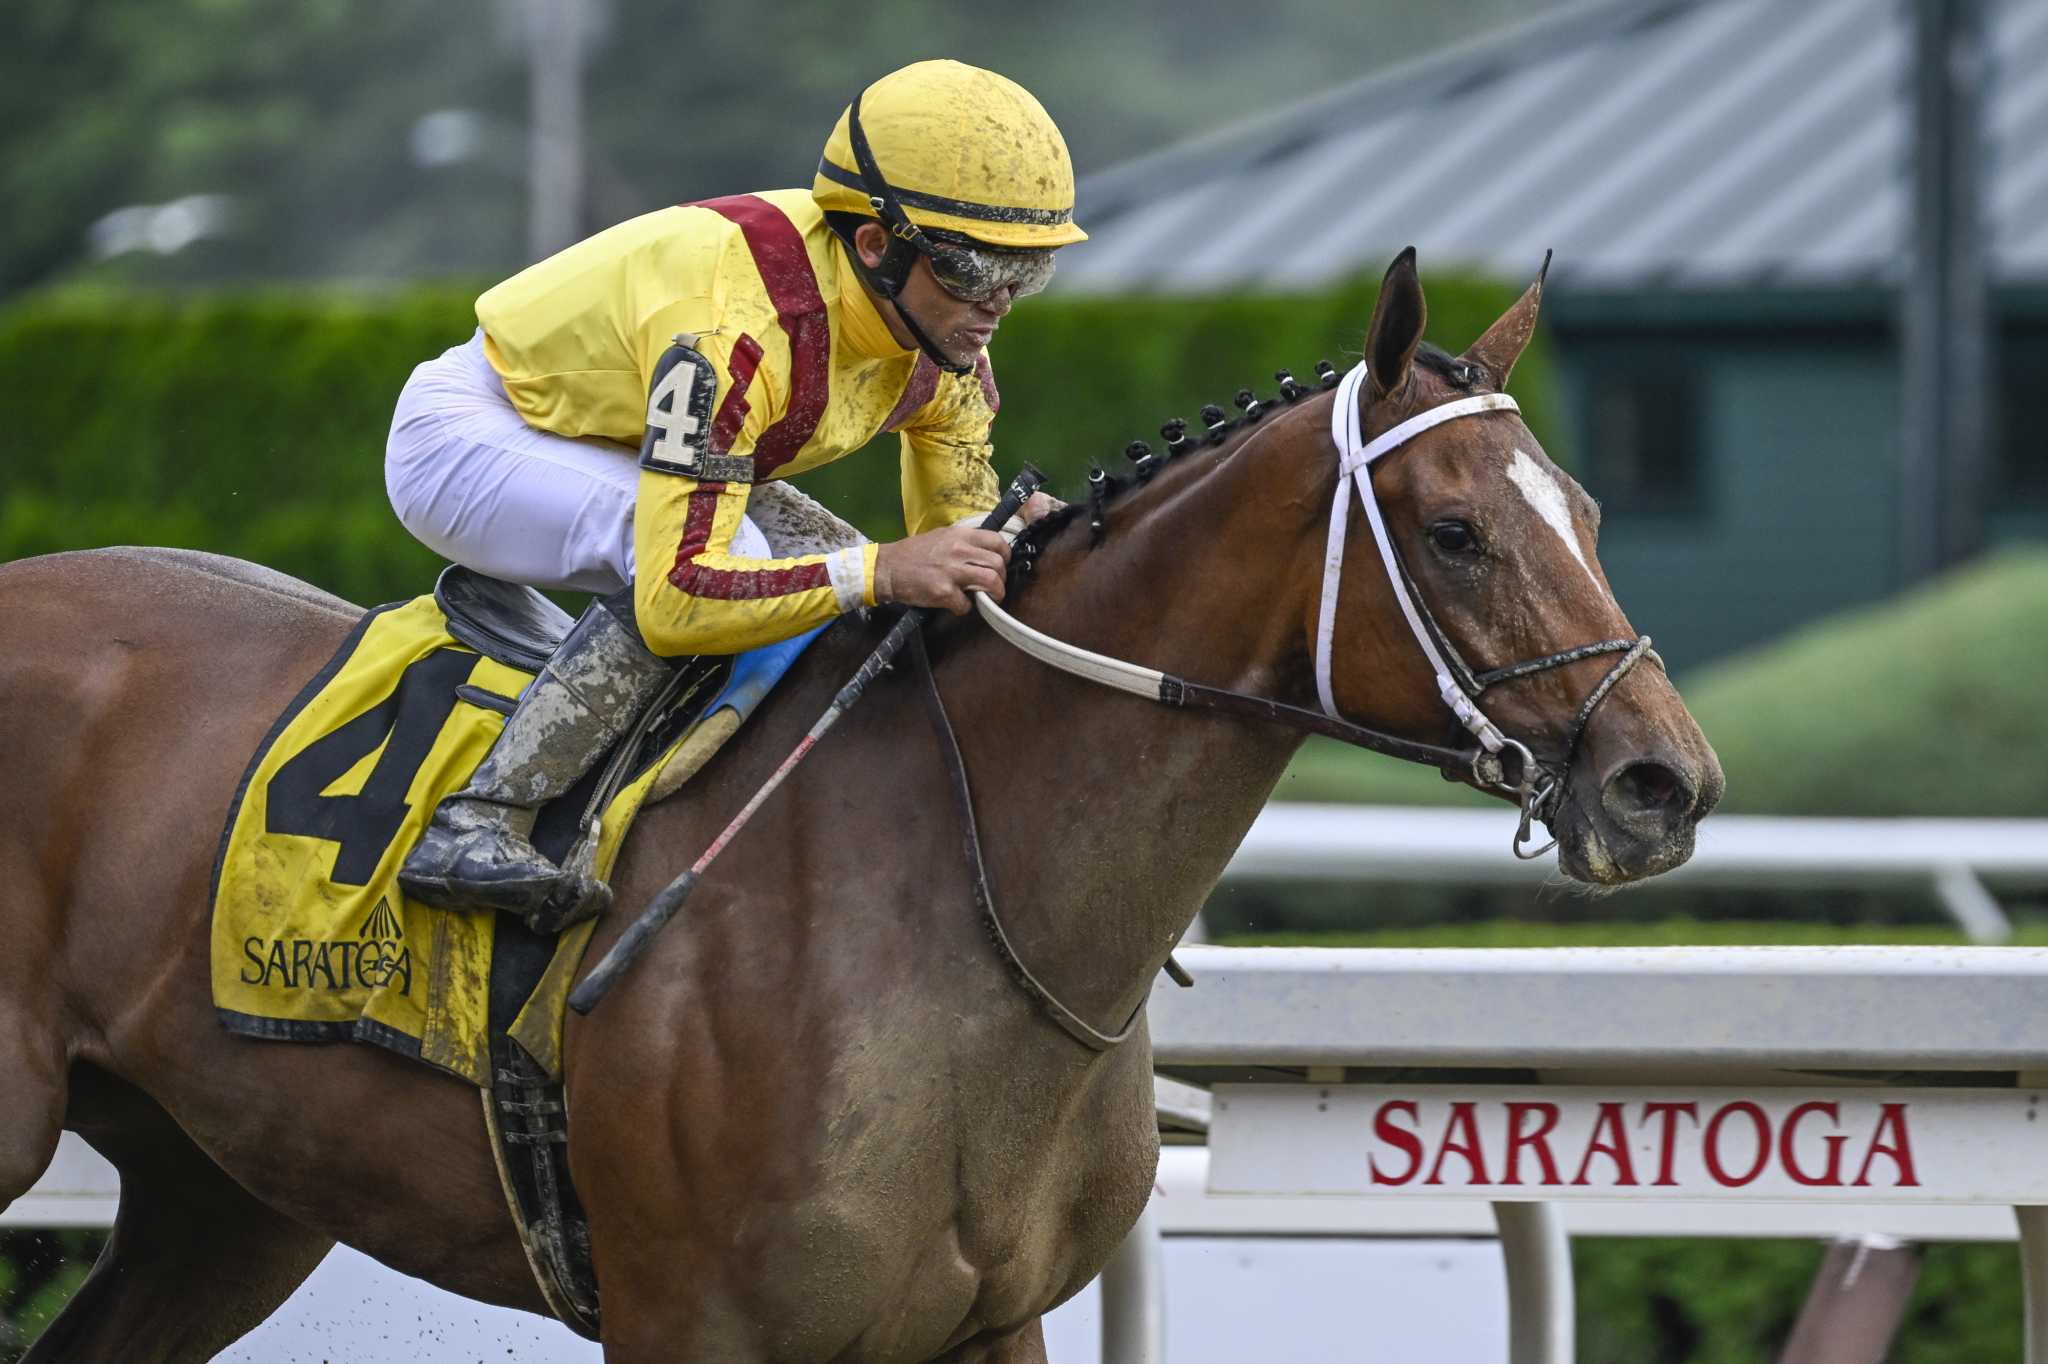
(819, 1122)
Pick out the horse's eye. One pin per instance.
(1454, 537)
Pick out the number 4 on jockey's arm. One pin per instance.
(733, 343)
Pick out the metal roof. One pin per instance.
(1681, 143)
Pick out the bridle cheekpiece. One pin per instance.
(1538, 789)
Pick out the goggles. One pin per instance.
(963, 267)
(974, 274)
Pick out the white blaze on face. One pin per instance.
(1546, 496)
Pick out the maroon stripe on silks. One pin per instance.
(697, 521)
(987, 375)
(727, 584)
(721, 584)
(922, 388)
(778, 250)
(725, 427)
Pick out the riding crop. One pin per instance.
(633, 944)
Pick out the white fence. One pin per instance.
(1830, 1081)
(1956, 859)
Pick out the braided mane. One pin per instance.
(1220, 436)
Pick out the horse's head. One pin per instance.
(1500, 547)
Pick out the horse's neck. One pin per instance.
(1107, 818)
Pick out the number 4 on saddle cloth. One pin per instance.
(312, 938)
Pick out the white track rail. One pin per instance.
(1302, 1045)
(1956, 859)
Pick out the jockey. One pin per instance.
(735, 342)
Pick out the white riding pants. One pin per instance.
(478, 486)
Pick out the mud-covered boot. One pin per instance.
(475, 853)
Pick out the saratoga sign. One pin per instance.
(1560, 1141)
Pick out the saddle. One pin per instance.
(313, 940)
(501, 620)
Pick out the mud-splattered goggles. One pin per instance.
(975, 274)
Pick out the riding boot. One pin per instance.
(476, 853)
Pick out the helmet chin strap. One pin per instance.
(925, 342)
(886, 281)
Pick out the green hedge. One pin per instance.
(251, 426)
(1671, 1301)
(254, 424)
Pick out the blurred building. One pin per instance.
(1728, 185)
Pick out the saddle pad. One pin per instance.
(312, 938)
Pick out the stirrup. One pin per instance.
(472, 858)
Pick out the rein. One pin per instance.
(1072, 1023)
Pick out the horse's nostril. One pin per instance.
(1651, 790)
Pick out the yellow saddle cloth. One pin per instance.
(312, 938)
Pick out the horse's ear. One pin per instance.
(1497, 351)
(1398, 318)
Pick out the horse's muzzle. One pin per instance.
(1640, 819)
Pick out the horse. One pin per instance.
(820, 1121)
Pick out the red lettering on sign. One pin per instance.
(1787, 1153)
(1402, 1139)
(1609, 1138)
(1891, 1117)
(1711, 1147)
(1467, 1145)
(1668, 1140)
(1539, 1140)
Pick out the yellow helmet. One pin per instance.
(962, 151)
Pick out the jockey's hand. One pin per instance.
(1041, 504)
(940, 567)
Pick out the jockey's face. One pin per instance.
(960, 328)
